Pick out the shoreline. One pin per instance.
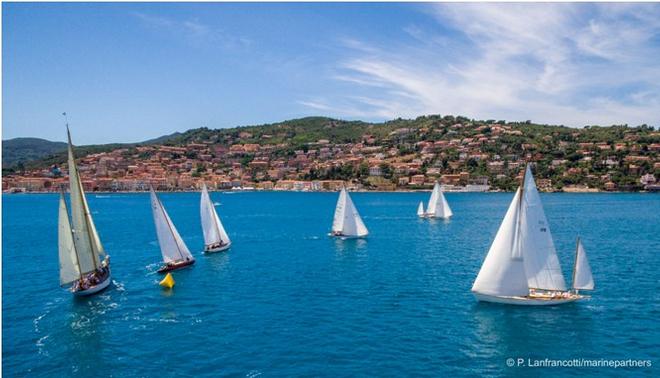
(331, 191)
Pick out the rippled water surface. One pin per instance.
(287, 300)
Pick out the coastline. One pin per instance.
(332, 191)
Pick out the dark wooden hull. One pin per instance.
(175, 266)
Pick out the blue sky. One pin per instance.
(130, 72)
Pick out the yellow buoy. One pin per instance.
(168, 281)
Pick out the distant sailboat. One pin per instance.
(83, 262)
(175, 252)
(215, 236)
(522, 266)
(438, 206)
(420, 209)
(347, 222)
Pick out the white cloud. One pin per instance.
(572, 64)
(192, 31)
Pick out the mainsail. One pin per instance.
(212, 228)
(522, 255)
(420, 209)
(582, 278)
(69, 269)
(347, 220)
(502, 273)
(86, 239)
(541, 261)
(171, 245)
(438, 206)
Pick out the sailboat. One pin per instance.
(420, 209)
(522, 266)
(347, 222)
(215, 236)
(84, 265)
(438, 206)
(175, 252)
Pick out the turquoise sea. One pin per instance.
(287, 300)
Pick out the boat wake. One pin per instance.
(153, 267)
(118, 285)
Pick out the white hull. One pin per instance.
(526, 301)
(94, 289)
(345, 237)
(219, 249)
(433, 216)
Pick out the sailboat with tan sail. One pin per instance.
(84, 265)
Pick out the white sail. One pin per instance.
(433, 201)
(582, 278)
(361, 229)
(99, 251)
(340, 210)
(420, 209)
(212, 228)
(85, 236)
(503, 270)
(69, 270)
(438, 206)
(171, 245)
(347, 220)
(541, 262)
(445, 211)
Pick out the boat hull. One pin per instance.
(345, 237)
(94, 289)
(175, 266)
(218, 249)
(526, 301)
(433, 216)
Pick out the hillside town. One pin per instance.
(463, 155)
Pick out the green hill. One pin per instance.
(22, 150)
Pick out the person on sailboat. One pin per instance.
(216, 245)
